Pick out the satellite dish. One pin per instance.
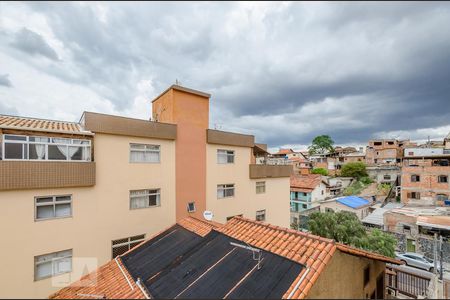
(208, 215)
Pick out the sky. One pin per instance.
(284, 72)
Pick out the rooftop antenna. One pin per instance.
(256, 253)
(177, 82)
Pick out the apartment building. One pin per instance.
(75, 195)
(384, 152)
(425, 177)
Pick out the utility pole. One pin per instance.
(441, 250)
(435, 252)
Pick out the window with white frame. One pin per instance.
(53, 207)
(260, 187)
(22, 147)
(145, 198)
(225, 156)
(261, 215)
(191, 207)
(225, 190)
(145, 153)
(121, 246)
(52, 264)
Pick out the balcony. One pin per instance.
(19, 175)
(269, 171)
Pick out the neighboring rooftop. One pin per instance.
(196, 259)
(305, 183)
(34, 124)
(353, 201)
(284, 151)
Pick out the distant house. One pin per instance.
(358, 206)
(306, 192)
(239, 260)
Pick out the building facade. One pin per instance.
(425, 177)
(384, 152)
(75, 195)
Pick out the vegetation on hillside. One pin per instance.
(320, 171)
(321, 144)
(357, 186)
(344, 227)
(354, 169)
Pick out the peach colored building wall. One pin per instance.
(191, 114)
(245, 201)
(100, 214)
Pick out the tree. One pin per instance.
(354, 169)
(344, 227)
(320, 171)
(321, 144)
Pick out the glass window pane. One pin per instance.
(43, 270)
(63, 210)
(62, 265)
(38, 139)
(63, 198)
(153, 200)
(57, 152)
(37, 151)
(14, 151)
(44, 200)
(44, 212)
(61, 141)
(15, 137)
(139, 202)
(75, 153)
(87, 153)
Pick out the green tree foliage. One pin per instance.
(354, 169)
(344, 227)
(320, 171)
(321, 144)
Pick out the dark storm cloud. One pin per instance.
(285, 72)
(32, 43)
(4, 80)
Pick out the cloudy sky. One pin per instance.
(284, 72)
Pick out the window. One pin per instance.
(225, 190)
(191, 207)
(304, 206)
(143, 153)
(387, 177)
(261, 215)
(52, 264)
(45, 148)
(121, 246)
(377, 143)
(406, 228)
(441, 197)
(327, 209)
(415, 178)
(366, 275)
(145, 198)
(52, 207)
(414, 195)
(442, 179)
(260, 187)
(225, 156)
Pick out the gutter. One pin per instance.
(298, 284)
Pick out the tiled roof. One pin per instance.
(310, 181)
(285, 151)
(312, 251)
(200, 227)
(22, 123)
(106, 282)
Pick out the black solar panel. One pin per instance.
(180, 264)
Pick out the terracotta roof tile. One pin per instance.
(108, 281)
(200, 227)
(305, 183)
(307, 249)
(32, 124)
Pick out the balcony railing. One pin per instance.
(18, 175)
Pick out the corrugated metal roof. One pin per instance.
(376, 217)
(353, 201)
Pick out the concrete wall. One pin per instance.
(100, 214)
(343, 278)
(245, 200)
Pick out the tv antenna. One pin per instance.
(256, 253)
(177, 82)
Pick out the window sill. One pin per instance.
(139, 208)
(51, 219)
(225, 197)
